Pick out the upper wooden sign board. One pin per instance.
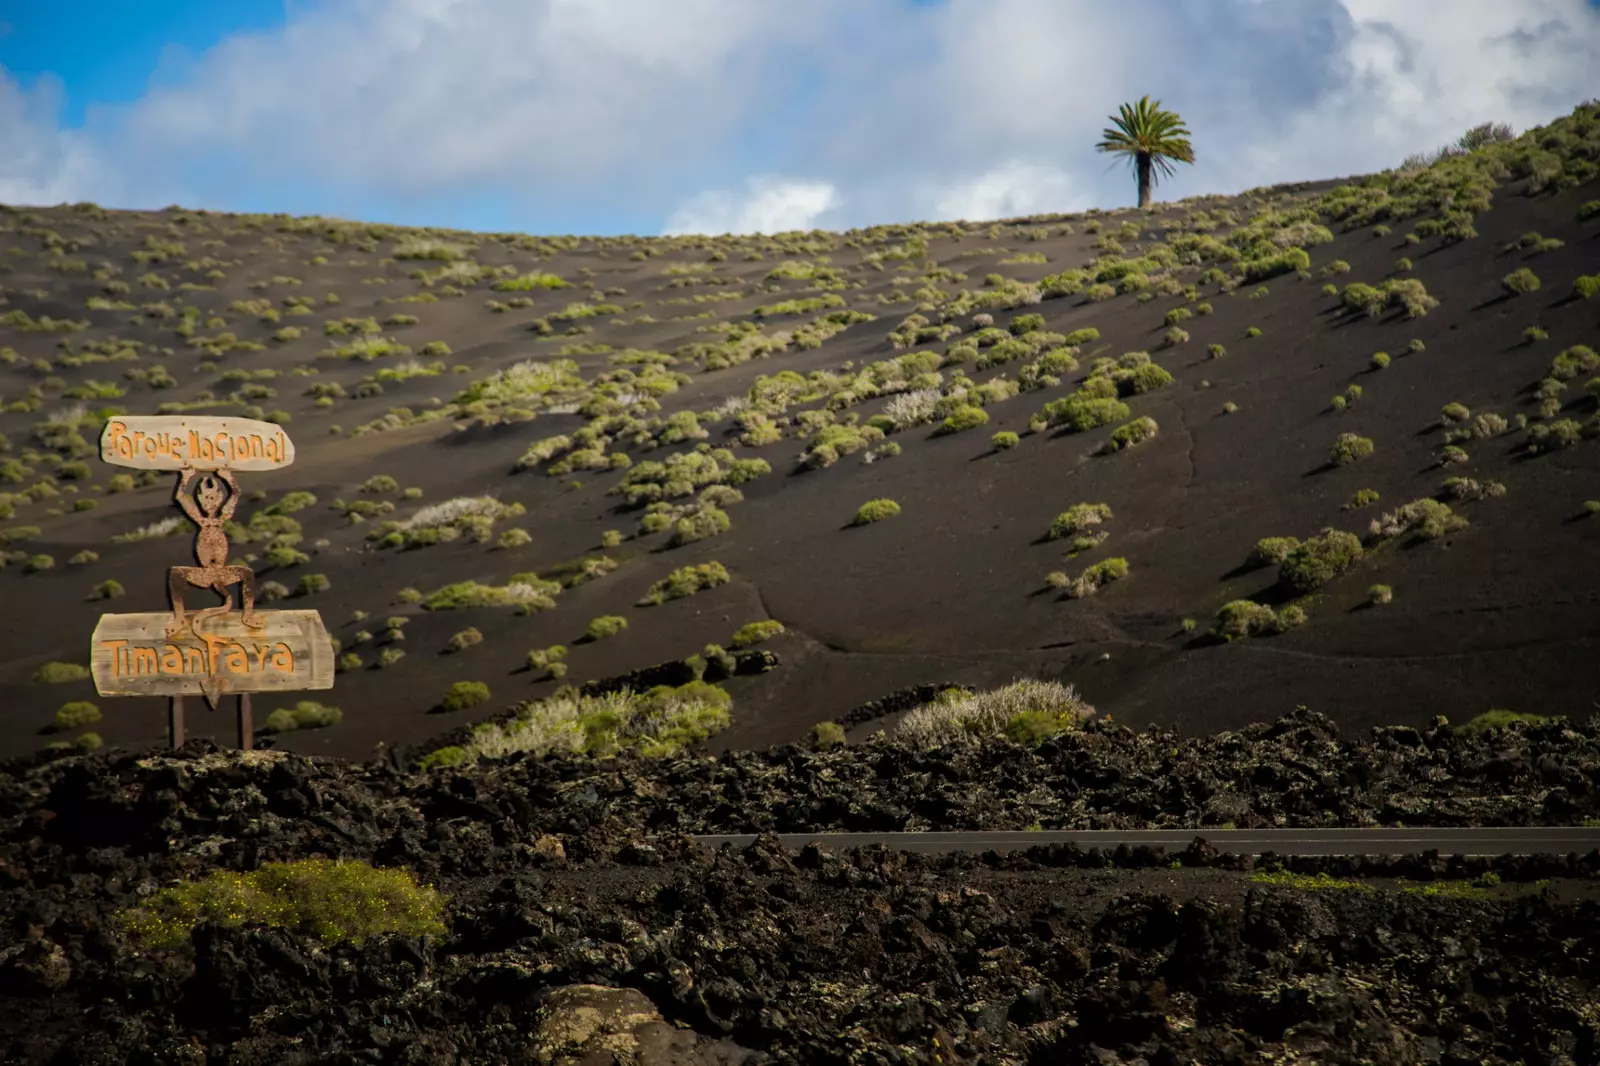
(131, 655)
(173, 442)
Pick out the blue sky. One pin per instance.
(644, 116)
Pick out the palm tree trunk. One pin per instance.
(1143, 164)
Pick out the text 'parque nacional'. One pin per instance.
(168, 443)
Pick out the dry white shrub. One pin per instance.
(912, 408)
(985, 714)
(164, 528)
(439, 514)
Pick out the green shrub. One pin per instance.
(1349, 448)
(753, 633)
(1380, 360)
(1252, 332)
(312, 583)
(706, 522)
(1005, 440)
(1078, 519)
(1362, 498)
(1499, 719)
(827, 734)
(56, 673)
(290, 503)
(306, 714)
(1270, 551)
(330, 900)
(963, 418)
(466, 638)
(1319, 560)
(1586, 286)
(1520, 282)
(686, 581)
(1081, 414)
(465, 694)
(875, 511)
(109, 589)
(1378, 595)
(1246, 618)
(88, 741)
(607, 625)
(1033, 727)
(514, 538)
(1103, 573)
(75, 715)
(451, 755)
(1552, 436)
(1129, 434)
(1591, 507)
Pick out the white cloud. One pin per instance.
(1008, 191)
(766, 205)
(562, 108)
(40, 163)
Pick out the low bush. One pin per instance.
(330, 900)
(1499, 719)
(1246, 618)
(57, 673)
(1520, 282)
(963, 418)
(753, 633)
(875, 511)
(1349, 448)
(1271, 551)
(1319, 560)
(1025, 710)
(827, 734)
(659, 722)
(464, 694)
(1131, 433)
(686, 581)
(1077, 520)
(306, 714)
(74, 715)
(607, 625)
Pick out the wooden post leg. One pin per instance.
(246, 729)
(175, 722)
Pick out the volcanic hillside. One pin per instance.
(1094, 430)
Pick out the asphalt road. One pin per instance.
(1553, 840)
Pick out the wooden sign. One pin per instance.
(133, 656)
(196, 442)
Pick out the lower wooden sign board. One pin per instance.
(132, 654)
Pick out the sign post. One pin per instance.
(216, 651)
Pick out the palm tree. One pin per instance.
(1151, 138)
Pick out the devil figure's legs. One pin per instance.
(246, 578)
(178, 577)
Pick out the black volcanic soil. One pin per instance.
(768, 955)
(1502, 614)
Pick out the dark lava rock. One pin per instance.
(577, 908)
